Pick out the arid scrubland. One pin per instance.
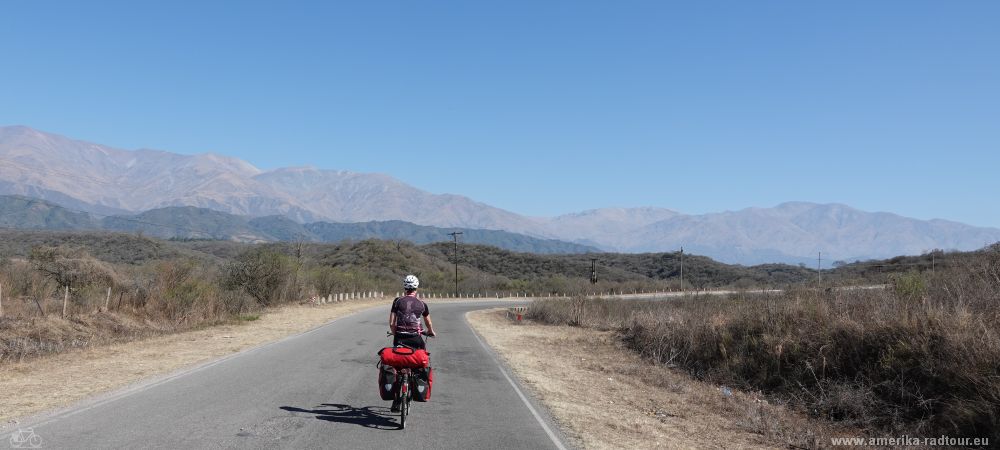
(920, 357)
(64, 290)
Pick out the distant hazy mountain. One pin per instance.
(355, 197)
(797, 232)
(188, 222)
(610, 228)
(109, 181)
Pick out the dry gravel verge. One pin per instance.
(607, 397)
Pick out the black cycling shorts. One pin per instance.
(409, 340)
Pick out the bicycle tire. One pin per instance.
(403, 411)
(404, 405)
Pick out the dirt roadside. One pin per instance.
(63, 379)
(607, 397)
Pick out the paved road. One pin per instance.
(317, 390)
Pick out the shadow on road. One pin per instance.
(370, 416)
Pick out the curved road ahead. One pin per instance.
(317, 390)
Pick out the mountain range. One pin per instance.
(189, 222)
(108, 181)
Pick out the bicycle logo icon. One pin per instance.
(25, 438)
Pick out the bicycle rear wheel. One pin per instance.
(404, 404)
(404, 409)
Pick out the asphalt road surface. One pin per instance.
(317, 390)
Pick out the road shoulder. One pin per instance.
(604, 396)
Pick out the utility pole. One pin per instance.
(454, 235)
(593, 270)
(819, 269)
(682, 269)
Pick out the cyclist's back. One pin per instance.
(406, 314)
(409, 310)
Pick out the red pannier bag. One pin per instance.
(404, 357)
(386, 382)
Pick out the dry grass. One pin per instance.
(921, 358)
(25, 338)
(607, 397)
(62, 299)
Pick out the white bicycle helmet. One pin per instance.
(411, 282)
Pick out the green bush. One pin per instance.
(909, 285)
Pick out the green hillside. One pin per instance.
(188, 222)
(419, 234)
(378, 264)
(29, 213)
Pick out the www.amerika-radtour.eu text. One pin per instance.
(909, 440)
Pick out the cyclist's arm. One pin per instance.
(392, 322)
(430, 327)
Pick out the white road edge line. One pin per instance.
(524, 399)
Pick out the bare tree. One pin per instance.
(260, 274)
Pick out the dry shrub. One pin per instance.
(589, 312)
(72, 267)
(921, 357)
(154, 297)
(161, 296)
(23, 338)
(181, 292)
(263, 274)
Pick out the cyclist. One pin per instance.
(404, 317)
(404, 320)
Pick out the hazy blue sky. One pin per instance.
(542, 107)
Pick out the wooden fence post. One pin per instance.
(107, 299)
(1, 299)
(65, 301)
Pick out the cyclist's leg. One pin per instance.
(396, 398)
